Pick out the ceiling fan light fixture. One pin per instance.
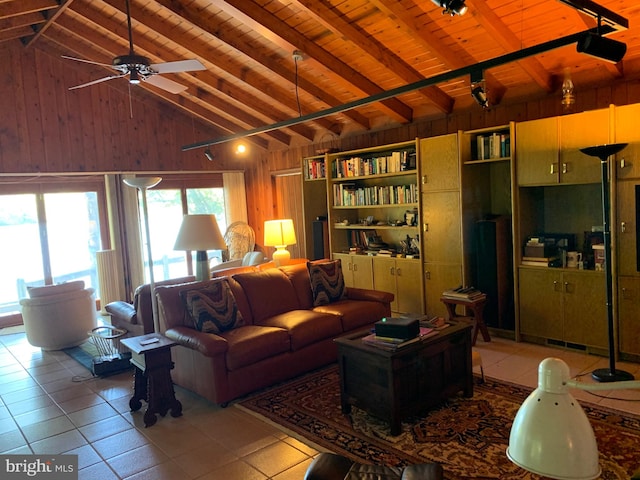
(601, 47)
(452, 7)
(134, 77)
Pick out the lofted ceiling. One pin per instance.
(345, 51)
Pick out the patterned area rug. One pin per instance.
(468, 436)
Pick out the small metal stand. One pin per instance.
(112, 357)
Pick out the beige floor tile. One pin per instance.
(165, 471)
(104, 428)
(205, 458)
(275, 458)
(137, 460)
(120, 443)
(234, 470)
(57, 444)
(48, 428)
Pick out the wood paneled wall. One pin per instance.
(45, 128)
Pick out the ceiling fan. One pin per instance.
(140, 69)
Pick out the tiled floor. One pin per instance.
(50, 404)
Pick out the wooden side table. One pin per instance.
(477, 309)
(151, 355)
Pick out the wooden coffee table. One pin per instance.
(397, 384)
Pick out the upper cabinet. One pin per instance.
(549, 148)
(627, 131)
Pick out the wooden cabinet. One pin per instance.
(549, 148)
(438, 278)
(626, 233)
(541, 303)
(357, 270)
(563, 305)
(441, 218)
(629, 315)
(626, 131)
(400, 276)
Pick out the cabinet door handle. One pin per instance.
(399, 272)
(424, 179)
(392, 271)
(566, 287)
(565, 167)
(355, 268)
(552, 170)
(623, 227)
(427, 275)
(555, 285)
(623, 163)
(425, 227)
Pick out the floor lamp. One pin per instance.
(143, 184)
(603, 152)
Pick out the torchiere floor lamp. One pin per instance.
(603, 152)
(143, 184)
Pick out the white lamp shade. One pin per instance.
(279, 233)
(142, 182)
(551, 435)
(199, 232)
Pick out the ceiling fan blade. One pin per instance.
(177, 67)
(165, 84)
(100, 80)
(87, 61)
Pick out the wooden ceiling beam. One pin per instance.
(451, 60)
(21, 7)
(510, 42)
(374, 49)
(270, 27)
(224, 34)
(40, 29)
(268, 110)
(142, 46)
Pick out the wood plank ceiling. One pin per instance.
(350, 50)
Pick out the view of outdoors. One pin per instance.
(65, 247)
(165, 217)
(63, 243)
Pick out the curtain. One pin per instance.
(235, 198)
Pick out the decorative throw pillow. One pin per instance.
(327, 282)
(213, 308)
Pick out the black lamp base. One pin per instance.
(608, 375)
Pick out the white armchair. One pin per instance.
(59, 316)
(249, 259)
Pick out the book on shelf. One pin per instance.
(464, 293)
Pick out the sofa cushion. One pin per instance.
(299, 276)
(306, 326)
(327, 281)
(252, 343)
(269, 293)
(355, 313)
(213, 307)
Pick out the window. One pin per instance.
(167, 203)
(49, 233)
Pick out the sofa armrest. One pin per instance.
(123, 312)
(371, 295)
(208, 344)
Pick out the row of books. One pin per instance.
(464, 293)
(316, 170)
(495, 145)
(349, 195)
(358, 166)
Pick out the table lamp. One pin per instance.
(200, 233)
(279, 234)
(551, 434)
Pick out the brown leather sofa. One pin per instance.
(283, 336)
